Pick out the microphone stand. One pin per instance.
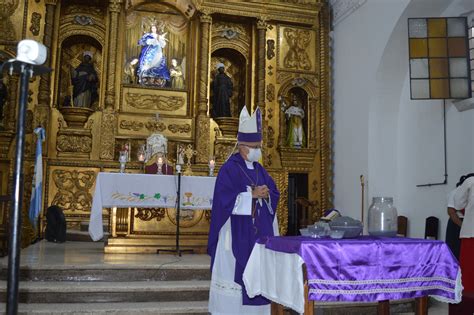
(177, 249)
(26, 72)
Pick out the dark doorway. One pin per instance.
(297, 187)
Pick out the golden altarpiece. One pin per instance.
(275, 52)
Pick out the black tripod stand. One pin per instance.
(26, 71)
(177, 250)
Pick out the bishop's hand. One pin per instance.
(260, 192)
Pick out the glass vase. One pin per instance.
(382, 217)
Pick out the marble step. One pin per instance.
(149, 308)
(81, 236)
(99, 292)
(84, 226)
(111, 274)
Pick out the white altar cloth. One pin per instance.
(147, 191)
(275, 275)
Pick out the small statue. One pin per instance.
(295, 114)
(84, 81)
(222, 92)
(176, 73)
(130, 71)
(180, 155)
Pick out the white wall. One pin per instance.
(396, 143)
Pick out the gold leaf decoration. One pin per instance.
(148, 214)
(73, 189)
(156, 102)
(131, 125)
(71, 143)
(175, 128)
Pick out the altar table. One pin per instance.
(364, 269)
(147, 191)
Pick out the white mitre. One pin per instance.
(156, 143)
(250, 127)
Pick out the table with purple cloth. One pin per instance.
(364, 269)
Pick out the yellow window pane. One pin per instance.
(439, 68)
(439, 88)
(436, 27)
(437, 47)
(457, 47)
(418, 47)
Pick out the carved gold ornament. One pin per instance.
(297, 56)
(7, 8)
(177, 128)
(35, 23)
(71, 143)
(73, 189)
(156, 102)
(148, 214)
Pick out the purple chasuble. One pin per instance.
(230, 182)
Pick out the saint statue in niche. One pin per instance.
(294, 112)
(177, 75)
(131, 71)
(222, 92)
(84, 80)
(152, 68)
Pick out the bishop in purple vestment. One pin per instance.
(244, 207)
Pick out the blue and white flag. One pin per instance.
(37, 190)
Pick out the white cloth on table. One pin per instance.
(277, 276)
(146, 191)
(225, 296)
(464, 199)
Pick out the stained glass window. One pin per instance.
(439, 58)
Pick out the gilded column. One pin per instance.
(114, 10)
(202, 121)
(44, 94)
(107, 128)
(325, 109)
(261, 33)
(260, 101)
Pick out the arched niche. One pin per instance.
(236, 67)
(72, 51)
(186, 7)
(161, 20)
(306, 93)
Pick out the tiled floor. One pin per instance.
(91, 255)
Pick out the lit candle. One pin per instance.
(212, 163)
(159, 165)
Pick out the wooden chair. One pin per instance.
(431, 228)
(151, 167)
(308, 211)
(402, 226)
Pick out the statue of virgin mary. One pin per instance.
(152, 68)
